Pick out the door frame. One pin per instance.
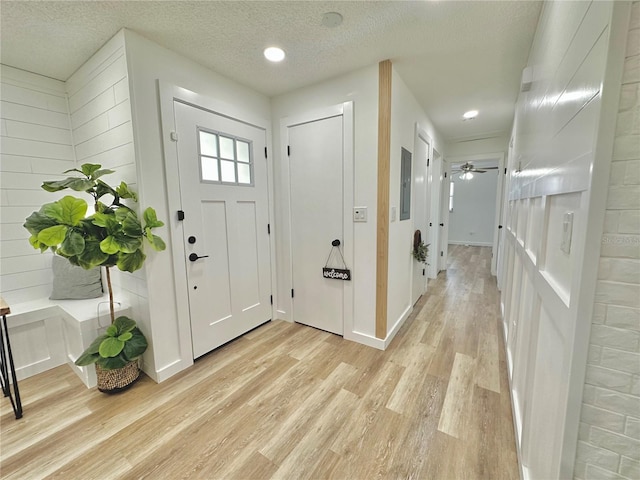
(435, 182)
(421, 135)
(285, 302)
(500, 158)
(168, 94)
(445, 182)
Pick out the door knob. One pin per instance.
(442, 224)
(336, 243)
(194, 256)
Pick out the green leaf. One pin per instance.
(107, 221)
(98, 173)
(130, 262)
(127, 244)
(111, 347)
(89, 168)
(124, 324)
(157, 243)
(95, 345)
(35, 243)
(37, 222)
(124, 192)
(112, 363)
(136, 346)
(53, 236)
(125, 336)
(111, 331)
(80, 184)
(150, 218)
(73, 210)
(92, 255)
(73, 170)
(55, 185)
(73, 243)
(53, 211)
(87, 359)
(104, 189)
(109, 245)
(130, 225)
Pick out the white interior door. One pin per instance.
(420, 209)
(435, 186)
(316, 183)
(223, 183)
(444, 217)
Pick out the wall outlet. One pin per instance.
(359, 214)
(567, 230)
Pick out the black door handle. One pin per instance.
(442, 224)
(336, 243)
(194, 256)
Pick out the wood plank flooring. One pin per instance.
(290, 402)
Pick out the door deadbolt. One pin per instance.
(191, 239)
(194, 256)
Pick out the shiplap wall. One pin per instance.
(100, 111)
(557, 166)
(35, 145)
(609, 441)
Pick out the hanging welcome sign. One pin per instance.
(336, 273)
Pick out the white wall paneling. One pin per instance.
(36, 144)
(557, 166)
(609, 439)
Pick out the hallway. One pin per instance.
(289, 401)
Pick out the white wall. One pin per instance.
(559, 164)
(609, 442)
(148, 62)
(405, 113)
(100, 112)
(493, 144)
(361, 87)
(474, 207)
(36, 146)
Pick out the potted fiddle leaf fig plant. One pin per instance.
(113, 236)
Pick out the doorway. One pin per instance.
(225, 225)
(320, 185)
(420, 208)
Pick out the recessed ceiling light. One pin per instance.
(274, 54)
(470, 115)
(331, 19)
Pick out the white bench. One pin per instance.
(47, 333)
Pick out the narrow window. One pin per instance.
(451, 196)
(405, 185)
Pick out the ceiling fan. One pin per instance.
(468, 167)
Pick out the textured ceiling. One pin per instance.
(453, 55)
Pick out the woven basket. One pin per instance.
(113, 381)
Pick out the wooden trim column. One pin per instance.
(384, 153)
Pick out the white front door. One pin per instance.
(223, 186)
(316, 177)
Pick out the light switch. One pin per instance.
(567, 229)
(359, 214)
(393, 214)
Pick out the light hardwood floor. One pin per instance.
(290, 402)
